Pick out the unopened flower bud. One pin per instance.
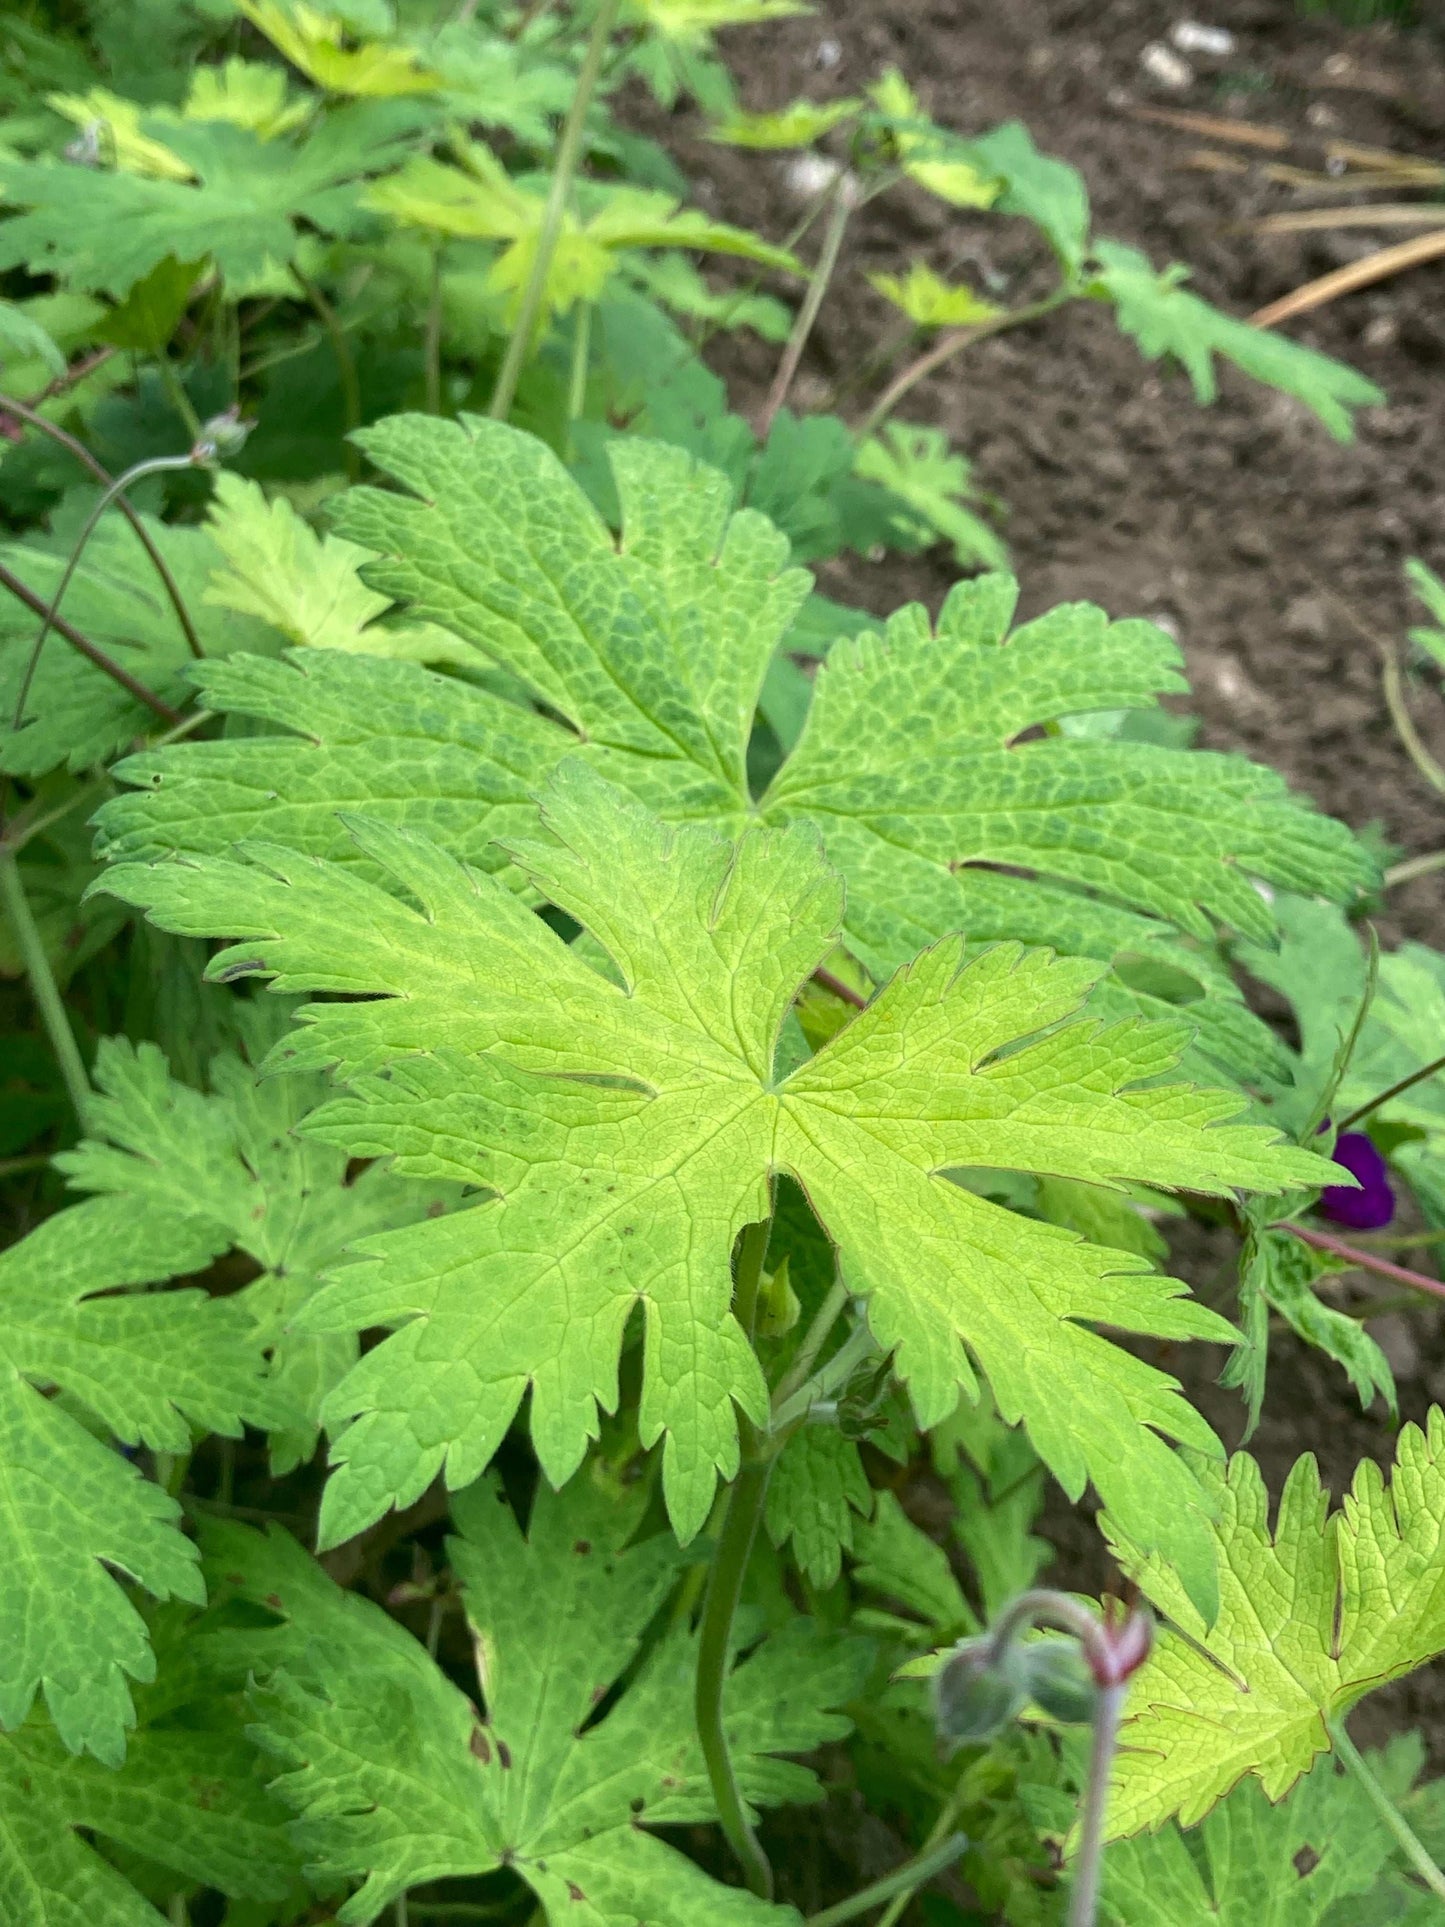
(1123, 1648)
(976, 1693)
(1060, 1680)
(223, 434)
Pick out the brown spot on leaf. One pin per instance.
(504, 1753)
(1305, 1862)
(583, 1546)
(275, 1602)
(481, 1746)
(574, 1892)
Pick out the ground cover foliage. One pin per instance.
(556, 1073)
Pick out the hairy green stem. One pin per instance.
(1395, 1821)
(91, 651)
(1089, 1860)
(791, 1412)
(1366, 1260)
(581, 363)
(1363, 1111)
(945, 349)
(157, 465)
(1324, 1102)
(432, 344)
(725, 1584)
(724, 1589)
(807, 315)
(43, 986)
(179, 399)
(1397, 1240)
(836, 987)
(22, 829)
(17, 1167)
(78, 450)
(814, 1339)
(752, 1250)
(569, 150)
(902, 1883)
(345, 363)
(940, 1832)
(1114, 1652)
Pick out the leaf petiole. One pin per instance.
(844, 200)
(564, 167)
(945, 349)
(1362, 1111)
(898, 1886)
(1365, 1260)
(724, 1589)
(91, 651)
(1396, 1823)
(22, 412)
(43, 986)
(157, 465)
(345, 363)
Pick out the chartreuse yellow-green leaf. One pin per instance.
(627, 1121)
(936, 762)
(1312, 1616)
(307, 586)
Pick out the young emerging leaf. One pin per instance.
(931, 302)
(313, 40)
(629, 1124)
(798, 124)
(929, 154)
(478, 200)
(919, 466)
(1165, 318)
(818, 1484)
(399, 1778)
(239, 210)
(307, 586)
(147, 1366)
(1312, 1617)
(923, 763)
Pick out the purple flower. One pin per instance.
(1373, 1205)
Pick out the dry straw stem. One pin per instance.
(1382, 214)
(1359, 274)
(1278, 140)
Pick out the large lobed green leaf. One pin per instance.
(928, 761)
(400, 1779)
(105, 229)
(147, 1366)
(1313, 1616)
(627, 1120)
